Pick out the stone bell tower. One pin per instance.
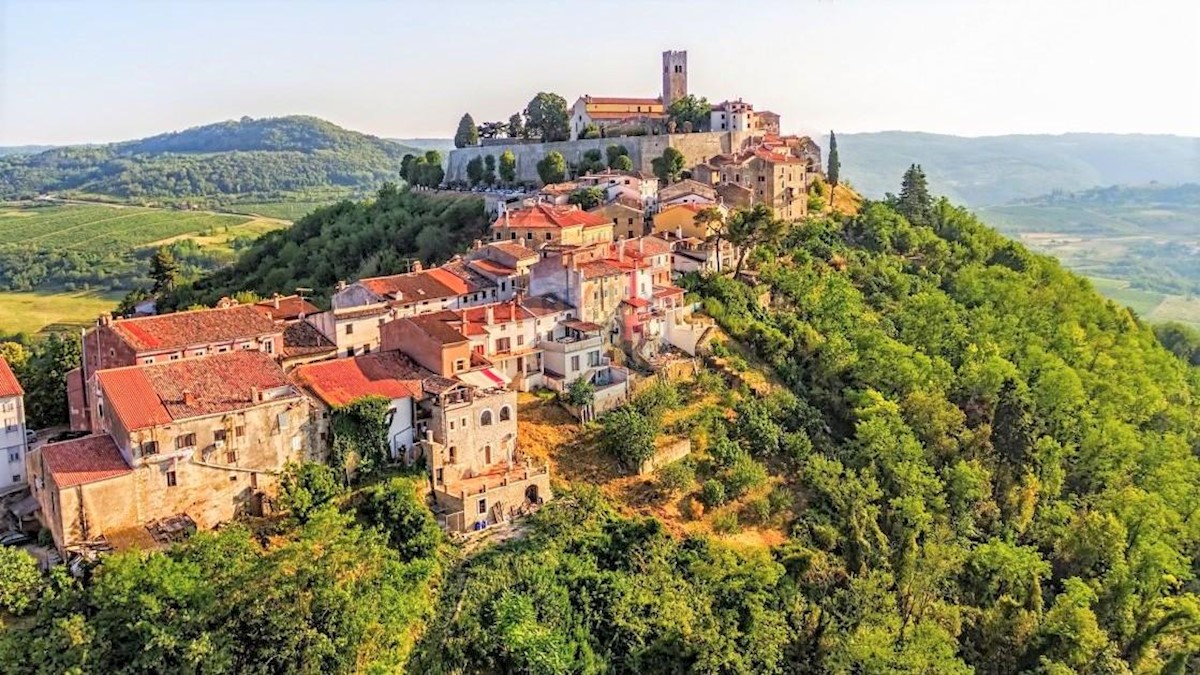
(674, 77)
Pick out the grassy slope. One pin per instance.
(35, 312)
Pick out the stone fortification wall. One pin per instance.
(696, 148)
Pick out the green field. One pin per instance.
(32, 313)
(281, 210)
(104, 229)
(1154, 307)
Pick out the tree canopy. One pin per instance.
(467, 133)
(547, 116)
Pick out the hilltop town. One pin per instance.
(182, 421)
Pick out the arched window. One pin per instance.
(505, 414)
(485, 418)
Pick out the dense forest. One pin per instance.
(347, 241)
(982, 466)
(244, 159)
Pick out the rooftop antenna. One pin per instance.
(300, 291)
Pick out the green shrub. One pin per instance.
(629, 436)
(19, 580)
(677, 477)
(759, 509)
(656, 399)
(713, 493)
(743, 476)
(725, 522)
(719, 349)
(306, 487)
(395, 508)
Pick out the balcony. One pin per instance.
(571, 344)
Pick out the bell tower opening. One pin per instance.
(674, 76)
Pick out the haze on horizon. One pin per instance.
(74, 72)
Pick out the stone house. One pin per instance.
(541, 224)
(116, 343)
(627, 220)
(776, 179)
(201, 438)
(13, 444)
(686, 191)
(359, 309)
(582, 279)
(390, 375)
(632, 185)
(679, 220)
(503, 260)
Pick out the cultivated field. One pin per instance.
(104, 229)
(1151, 306)
(32, 313)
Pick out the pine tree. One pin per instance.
(467, 134)
(835, 164)
(164, 270)
(915, 202)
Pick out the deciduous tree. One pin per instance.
(547, 116)
(552, 168)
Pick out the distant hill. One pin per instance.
(999, 169)
(23, 149)
(442, 145)
(269, 158)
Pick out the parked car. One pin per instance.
(67, 436)
(30, 437)
(15, 539)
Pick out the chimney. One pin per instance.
(490, 313)
(255, 395)
(477, 244)
(679, 232)
(188, 399)
(276, 299)
(105, 319)
(341, 284)
(641, 245)
(417, 266)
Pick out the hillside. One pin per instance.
(998, 169)
(247, 160)
(347, 241)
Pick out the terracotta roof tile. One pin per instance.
(84, 460)
(342, 381)
(621, 100)
(286, 308)
(548, 216)
(302, 338)
(411, 287)
(518, 251)
(439, 328)
(491, 267)
(8, 382)
(151, 395)
(598, 268)
(202, 326)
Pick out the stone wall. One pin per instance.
(696, 148)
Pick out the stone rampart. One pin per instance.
(696, 148)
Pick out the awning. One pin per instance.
(485, 378)
(25, 507)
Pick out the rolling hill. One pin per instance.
(249, 159)
(999, 169)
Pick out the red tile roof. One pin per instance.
(342, 381)
(439, 327)
(518, 251)
(623, 114)
(303, 339)
(598, 268)
(286, 308)
(411, 287)
(490, 267)
(151, 395)
(642, 247)
(548, 216)
(620, 100)
(8, 382)
(197, 327)
(83, 460)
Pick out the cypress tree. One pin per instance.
(467, 134)
(835, 164)
(915, 203)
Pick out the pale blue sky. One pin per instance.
(103, 71)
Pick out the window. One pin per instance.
(485, 418)
(231, 457)
(254, 480)
(222, 350)
(349, 352)
(171, 480)
(762, 179)
(547, 236)
(269, 346)
(349, 329)
(441, 475)
(463, 422)
(520, 340)
(239, 432)
(14, 456)
(630, 221)
(451, 425)
(483, 506)
(503, 345)
(149, 360)
(529, 235)
(219, 435)
(149, 448)
(174, 357)
(284, 422)
(16, 478)
(460, 365)
(366, 349)
(198, 352)
(574, 363)
(594, 358)
(505, 414)
(185, 441)
(453, 455)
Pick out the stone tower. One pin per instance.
(674, 77)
